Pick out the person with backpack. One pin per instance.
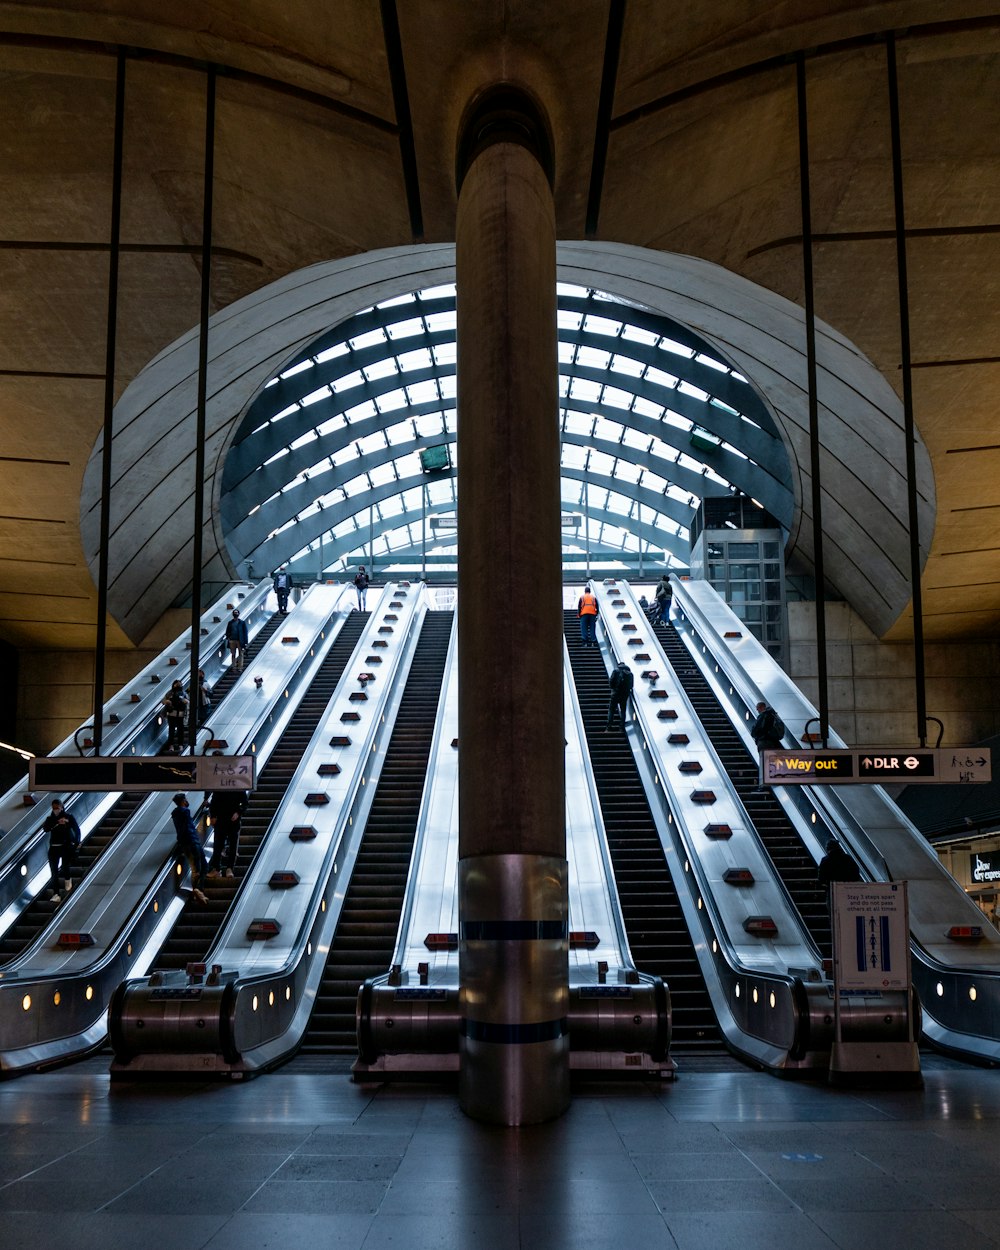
(175, 706)
(189, 845)
(361, 583)
(238, 637)
(621, 682)
(767, 731)
(64, 839)
(663, 599)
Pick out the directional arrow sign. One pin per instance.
(896, 766)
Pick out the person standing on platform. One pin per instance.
(64, 839)
(225, 811)
(664, 597)
(238, 638)
(189, 845)
(588, 611)
(361, 584)
(175, 706)
(621, 682)
(282, 586)
(767, 731)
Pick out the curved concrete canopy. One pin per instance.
(759, 334)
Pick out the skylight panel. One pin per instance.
(636, 334)
(438, 292)
(646, 408)
(373, 338)
(573, 456)
(347, 380)
(678, 349)
(445, 353)
(591, 358)
(380, 369)
(601, 325)
(419, 358)
(315, 397)
(299, 368)
(440, 322)
(331, 353)
(627, 365)
(567, 319)
(686, 388)
(617, 398)
(397, 301)
(583, 388)
(661, 378)
(421, 392)
(405, 329)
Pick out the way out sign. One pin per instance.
(871, 936)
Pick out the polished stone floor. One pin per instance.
(302, 1158)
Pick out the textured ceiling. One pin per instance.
(675, 129)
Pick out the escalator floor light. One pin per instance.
(302, 833)
(718, 831)
(690, 766)
(329, 770)
(762, 925)
(678, 740)
(666, 713)
(316, 800)
(349, 717)
(703, 796)
(733, 633)
(69, 941)
(340, 740)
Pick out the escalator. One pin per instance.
(199, 923)
(794, 864)
(657, 934)
(369, 920)
(37, 915)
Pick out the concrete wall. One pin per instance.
(871, 687)
(56, 688)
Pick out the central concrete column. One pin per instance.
(513, 940)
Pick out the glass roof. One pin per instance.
(348, 455)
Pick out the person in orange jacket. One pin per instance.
(588, 612)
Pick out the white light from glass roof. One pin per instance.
(627, 365)
(583, 388)
(299, 368)
(446, 353)
(381, 369)
(636, 439)
(617, 398)
(347, 380)
(636, 334)
(381, 474)
(686, 388)
(646, 408)
(314, 397)
(403, 329)
(601, 463)
(277, 455)
(419, 358)
(626, 471)
(331, 353)
(566, 352)
(601, 325)
(661, 378)
(567, 319)
(372, 338)
(669, 345)
(421, 392)
(438, 292)
(712, 363)
(396, 300)
(438, 322)
(573, 456)
(308, 437)
(591, 358)
(400, 432)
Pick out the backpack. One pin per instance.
(621, 681)
(773, 726)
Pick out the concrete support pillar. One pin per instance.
(513, 952)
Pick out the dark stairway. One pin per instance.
(794, 864)
(654, 922)
(198, 924)
(366, 932)
(37, 914)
